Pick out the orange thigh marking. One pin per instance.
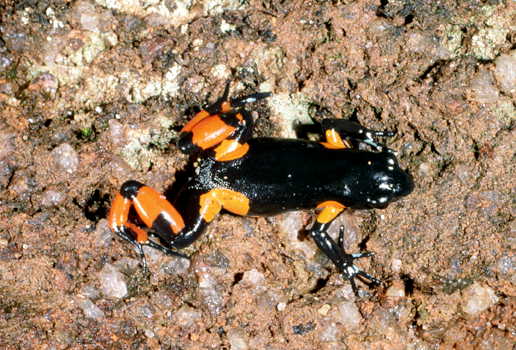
(334, 141)
(141, 235)
(149, 204)
(212, 203)
(119, 211)
(198, 117)
(230, 150)
(331, 209)
(210, 131)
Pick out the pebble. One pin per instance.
(329, 333)
(176, 266)
(186, 316)
(103, 234)
(347, 314)
(90, 309)
(52, 198)
(477, 298)
(281, 306)
(291, 223)
(84, 12)
(116, 131)
(397, 290)
(396, 265)
(66, 158)
(7, 87)
(237, 339)
(89, 292)
(5, 61)
(253, 277)
(210, 289)
(505, 72)
(483, 88)
(46, 83)
(323, 310)
(112, 283)
(506, 264)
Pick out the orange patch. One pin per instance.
(210, 132)
(119, 211)
(212, 203)
(195, 120)
(230, 150)
(149, 204)
(334, 141)
(331, 209)
(141, 235)
(226, 107)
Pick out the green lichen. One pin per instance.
(147, 144)
(504, 110)
(452, 40)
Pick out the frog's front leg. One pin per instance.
(335, 252)
(222, 129)
(336, 129)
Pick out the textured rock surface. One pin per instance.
(93, 92)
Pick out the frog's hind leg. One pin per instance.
(152, 209)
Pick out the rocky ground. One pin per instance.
(93, 94)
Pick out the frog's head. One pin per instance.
(385, 181)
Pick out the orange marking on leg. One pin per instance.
(212, 203)
(149, 204)
(226, 107)
(334, 141)
(331, 209)
(232, 201)
(195, 120)
(210, 207)
(210, 132)
(119, 211)
(141, 235)
(230, 150)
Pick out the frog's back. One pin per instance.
(278, 175)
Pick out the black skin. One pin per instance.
(279, 175)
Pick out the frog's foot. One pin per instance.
(351, 271)
(342, 260)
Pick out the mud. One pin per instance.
(93, 94)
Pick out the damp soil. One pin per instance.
(93, 94)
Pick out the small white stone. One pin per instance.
(505, 71)
(112, 282)
(477, 298)
(237, 339)
(348, 314)
(397, 290)
(66, 158)
(323, 310)
(281, 306)
(396, 265)
(90, 309)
